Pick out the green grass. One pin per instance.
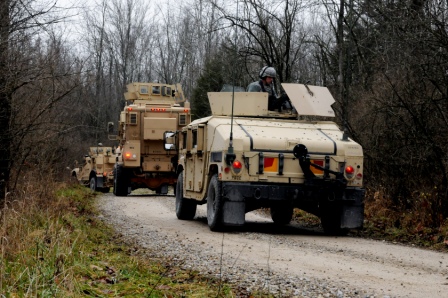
(53, 245)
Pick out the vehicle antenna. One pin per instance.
(230, 156)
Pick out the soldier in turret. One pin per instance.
(266, 84)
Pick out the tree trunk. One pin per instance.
(5, 100)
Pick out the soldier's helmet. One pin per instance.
(267, 71)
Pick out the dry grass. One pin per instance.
(52, 245)
(420, 223)
(41, 241)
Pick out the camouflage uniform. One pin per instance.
(258, 86)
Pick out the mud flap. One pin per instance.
(99, 181)
(234, 209)
(164, 189)
(352, 216)
(234, 213)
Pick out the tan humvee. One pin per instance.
(257, 158)
(147, 136)
(97, 170)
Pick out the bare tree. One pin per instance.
(5, 102)
(388, 61)
(118, 41)
(271, 34)
(20, 24)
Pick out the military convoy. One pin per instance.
(241, 158)
(97, 170)
(147, 137)
(245, 157)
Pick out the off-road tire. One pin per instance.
(185, 208)
(120, 181)
(281, 214)
(214, 205)
(92, 184)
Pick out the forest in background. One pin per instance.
(63, 72)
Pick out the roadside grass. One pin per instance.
(53, 245)
(421, 224)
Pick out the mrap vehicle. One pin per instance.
(147, 136)
(97, 170)
(244, 157)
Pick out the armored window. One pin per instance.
(195, 138)
(200, 139)
(143, 89)
(184, 139)
(163, 90)
(189, 140)
(155, 89)
(133, 118)
(182, 119)
(168, 91)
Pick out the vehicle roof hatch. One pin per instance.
(310, 100)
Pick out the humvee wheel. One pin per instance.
(281, 215)
(93, 184)
(120, 185)
(214, 205)
(185, 208)
(331, 221)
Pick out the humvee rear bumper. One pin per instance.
(240, 198)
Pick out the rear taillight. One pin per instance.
(237, 166)
(130, 156)
(349, 172)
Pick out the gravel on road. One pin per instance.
(290, 261)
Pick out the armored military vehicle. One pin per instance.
(147, 137)
(244, 157)
(97, 170)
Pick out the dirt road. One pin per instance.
(291, 261)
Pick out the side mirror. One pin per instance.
(169, 140)
(110, 127)
(110, 131)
